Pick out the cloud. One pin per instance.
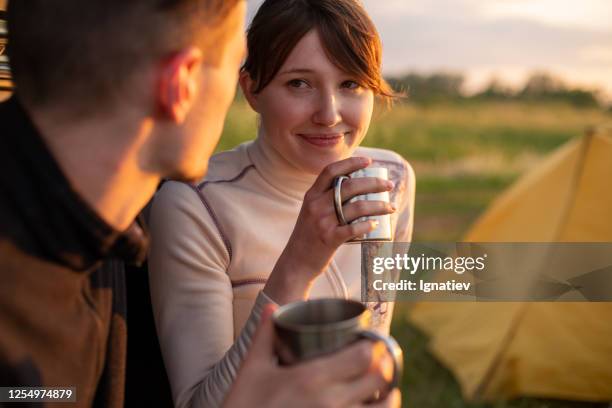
(597, 54)
(425, 42)
(589, 14)
(459, 9)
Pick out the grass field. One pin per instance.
(464, 156)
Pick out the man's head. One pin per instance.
(175, 61)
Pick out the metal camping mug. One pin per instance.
(308, 329)
(383, 231)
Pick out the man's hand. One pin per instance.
(344, 379)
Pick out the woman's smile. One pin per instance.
(323, 140)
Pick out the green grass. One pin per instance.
(464, 156)
(447, 205)
(451, 132)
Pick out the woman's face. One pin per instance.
(312, 112)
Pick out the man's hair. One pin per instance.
(349, 38)
(84, 52)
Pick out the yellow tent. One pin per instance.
(555, 350)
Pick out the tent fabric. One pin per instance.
(554, 350)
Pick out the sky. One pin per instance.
(503, 39)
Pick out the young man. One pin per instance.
(110, 97)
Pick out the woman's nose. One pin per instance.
(328, 111)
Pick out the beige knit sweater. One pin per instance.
(213, 247)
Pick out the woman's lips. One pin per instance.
(322, 140)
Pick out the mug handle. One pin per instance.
(394, 349)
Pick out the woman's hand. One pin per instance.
(318, 234)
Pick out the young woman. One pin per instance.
(261, 226)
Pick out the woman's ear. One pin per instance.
(179, 83)
(246, 84)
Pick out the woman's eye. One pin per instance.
(298, 83)
(351, 85)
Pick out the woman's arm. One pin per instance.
(192, 299)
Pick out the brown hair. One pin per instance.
(82, 53)
(349, 38)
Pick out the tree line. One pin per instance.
(448, 87)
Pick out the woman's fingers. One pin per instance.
(346, 365)
(323, 206)
(393, 400)
(335, 235)
(366, 208)
(350, 376)
(364, 185)
(357, 229)
(363, 389)
(340, 168)
(374, 382)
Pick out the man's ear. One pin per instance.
(246, 84)
(179, 83)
